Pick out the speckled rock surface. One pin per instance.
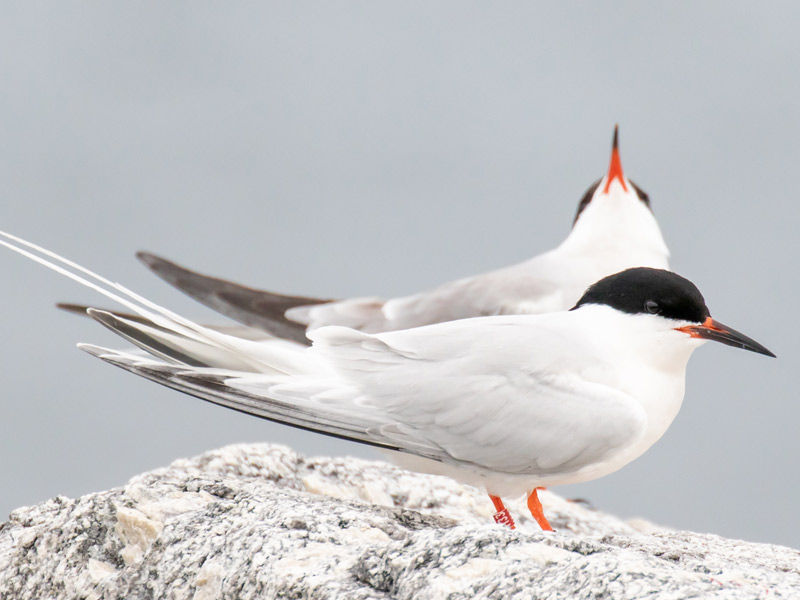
(259, 521)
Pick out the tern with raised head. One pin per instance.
(614, 229)
(510, 403)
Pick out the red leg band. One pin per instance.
(502, 516)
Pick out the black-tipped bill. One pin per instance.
(717, 332)
(615, 168)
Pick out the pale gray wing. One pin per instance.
(253, 307)
(445, 400)
(489, 392)
(325, 407)
(535, 286)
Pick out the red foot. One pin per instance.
(537, 511)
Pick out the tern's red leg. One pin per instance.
(502, 515)
(536, 510)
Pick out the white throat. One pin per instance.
(618, 223)
(650, 359)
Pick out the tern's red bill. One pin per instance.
(615, 168)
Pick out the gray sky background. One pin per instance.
(347, 148)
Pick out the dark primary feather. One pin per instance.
(212, 387)
(81, 309)
(144, 341)
(123, 324)
(241, 331)
(255, 308)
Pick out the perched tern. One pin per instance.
(614, 229)
(511, 403)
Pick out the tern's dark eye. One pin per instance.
(652, 307)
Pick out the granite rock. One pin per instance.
(260, 521)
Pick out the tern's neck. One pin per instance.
(646, 358)
(645, 343)
(616, 223)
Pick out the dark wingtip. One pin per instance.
(103, 317)
(93, 350)
(79, 309)
(151, 260)
(156, 264)
(615, 143)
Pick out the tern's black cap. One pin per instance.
(650, 291)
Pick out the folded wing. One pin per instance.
(479, 394)
(255, 308)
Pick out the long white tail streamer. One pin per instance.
(157, 314)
